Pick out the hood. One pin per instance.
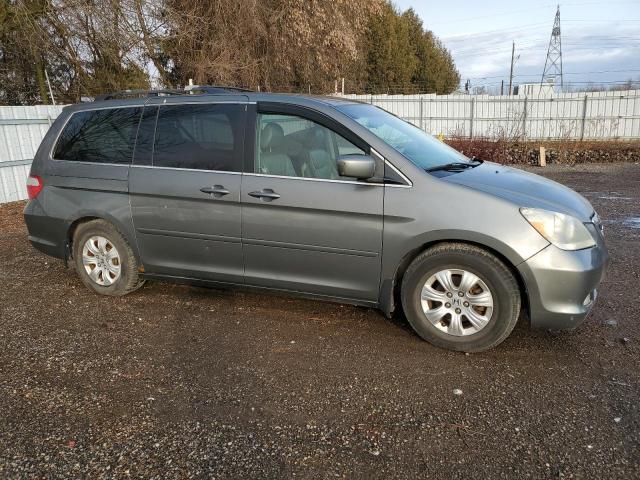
(524, 189)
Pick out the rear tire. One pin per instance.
(104, 259)
(477, 308)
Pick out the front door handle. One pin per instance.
(217, 191)
(265, 194)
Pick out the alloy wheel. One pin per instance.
(101, 261)
(457, 302)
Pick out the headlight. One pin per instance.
(597, 222)
(564, 231)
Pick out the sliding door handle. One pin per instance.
(217, 191)
(265, 194)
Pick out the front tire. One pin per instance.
(460, 297)
(104, 259)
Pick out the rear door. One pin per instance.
(306, 228)
(87, 169)
(185, 189)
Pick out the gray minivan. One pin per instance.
(317, 196)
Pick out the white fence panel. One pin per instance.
(12, 183)
(21, 131)
(575, 116)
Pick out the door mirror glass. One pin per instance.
(356, 166)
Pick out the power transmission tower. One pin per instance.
(553, 64)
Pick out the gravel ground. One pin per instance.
(180, 382)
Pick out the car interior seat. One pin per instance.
(273, 160)
(322, 162)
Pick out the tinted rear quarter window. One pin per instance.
(100, 136)
(203, 137)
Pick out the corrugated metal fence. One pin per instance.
(21, 130)
(576, 116)
(567, 116)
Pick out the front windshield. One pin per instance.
(418, 146)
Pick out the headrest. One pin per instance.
(317, 138)
(272, 136)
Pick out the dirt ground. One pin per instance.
(180, 382)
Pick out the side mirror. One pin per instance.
(356, 166)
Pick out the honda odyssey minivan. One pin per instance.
(317, 196)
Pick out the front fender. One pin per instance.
(421, 243)
(433, 211)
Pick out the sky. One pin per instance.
(600, 39)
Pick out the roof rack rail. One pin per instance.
(189, 90)
(139, 93)
(215, 89)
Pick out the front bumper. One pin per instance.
(562, 285)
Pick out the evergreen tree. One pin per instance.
(404, 58)
(391, 60)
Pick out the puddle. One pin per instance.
(629, 222)
(611, 197)
(632, 222)
(606, 195)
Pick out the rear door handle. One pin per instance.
(265, 194)
(217, 191)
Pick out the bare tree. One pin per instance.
(92, 46)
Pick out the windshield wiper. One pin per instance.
(451, 167)
(455, 166)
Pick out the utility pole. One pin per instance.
(502, 88)
(513, 52)
(553, 63)
(53, 100)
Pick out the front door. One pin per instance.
(306, 228)
(185, 190)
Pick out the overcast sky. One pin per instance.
(600, 39)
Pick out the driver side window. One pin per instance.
(292, 146)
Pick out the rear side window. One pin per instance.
(99, 136)
(203, 137)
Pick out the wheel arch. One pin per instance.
(390, 292)
(90, 216)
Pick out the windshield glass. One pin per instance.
(418, 146)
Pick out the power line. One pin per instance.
(463, 36)
(537, 8)
(583, 4)
(616, 82)
(502, 14)
(624, 20)
(574, 42)
(532, 48)
(418, 84)
(566, 73)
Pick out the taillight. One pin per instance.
(34, 186)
